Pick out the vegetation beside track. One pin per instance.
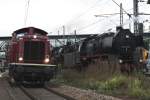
(135, 86)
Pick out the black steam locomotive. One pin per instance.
(121, 44)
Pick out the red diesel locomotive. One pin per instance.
(29, 56)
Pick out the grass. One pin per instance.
(116, 84)
(113, 83)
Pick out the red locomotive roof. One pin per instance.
(35, 30)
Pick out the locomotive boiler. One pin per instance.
(29, 56)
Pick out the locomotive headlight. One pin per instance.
(127, 36)
(34, 36)
(140, 60)
(46, 60)
(20, 59)
(20, 38)
(120, 61)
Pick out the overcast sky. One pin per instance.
(51, 15)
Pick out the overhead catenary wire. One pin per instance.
(112, 14)
(93, 23)
(88, 25)
(86, 11)
(26, 12)
(123, 9)
(106, 15)
(82, 14)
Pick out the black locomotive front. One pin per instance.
(124, 45)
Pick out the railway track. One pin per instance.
(43, 94)
(62, 95)
(7, 92)
(33, 93)
(10, 91)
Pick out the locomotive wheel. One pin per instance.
(13, 82)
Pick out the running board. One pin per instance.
(31, 64)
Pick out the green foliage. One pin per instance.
(135, 88)
(135, 85)
(113, 83)
(93, 85)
